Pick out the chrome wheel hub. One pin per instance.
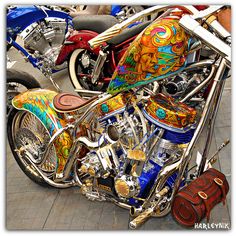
(31, 138)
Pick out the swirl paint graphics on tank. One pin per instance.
(159, 51)
(39, 102)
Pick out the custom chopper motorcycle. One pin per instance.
(129, 145)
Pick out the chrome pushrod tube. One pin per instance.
(211, 129)
(210, 99)
(200, 86)
(156, 142)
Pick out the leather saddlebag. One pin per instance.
(195, 201)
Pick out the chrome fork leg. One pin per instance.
(212, 95)
(210, 130)
(98, 66)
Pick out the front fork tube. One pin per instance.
(102, 56)
(210, 129)
(216, 90)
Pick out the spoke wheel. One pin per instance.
(28, 137)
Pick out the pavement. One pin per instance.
(32, 207)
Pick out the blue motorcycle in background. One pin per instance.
(42, 31)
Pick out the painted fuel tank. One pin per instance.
(159, 51)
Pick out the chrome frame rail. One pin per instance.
(181, 164)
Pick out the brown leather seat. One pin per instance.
(66, 102)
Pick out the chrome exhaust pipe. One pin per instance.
(87, 142)
(49, 181)
(135, 211)
(111, 136)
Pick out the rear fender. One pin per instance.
(77, 40)
(40, 103)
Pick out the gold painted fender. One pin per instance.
(40, 103)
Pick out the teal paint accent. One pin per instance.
(104, 108)
(161, 114)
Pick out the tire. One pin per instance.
(24, 130)
(23, 78)
(75, 65)
(72, 68)
(17, 82)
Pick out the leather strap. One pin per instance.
(220, 183)
(204, 197)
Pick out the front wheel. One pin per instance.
(28, 138)
(81, 66)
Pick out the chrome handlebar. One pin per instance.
(188, 22)
(118, 28)
(194, 28)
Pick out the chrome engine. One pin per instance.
(126, 152)
(45, 39)
(180, 85)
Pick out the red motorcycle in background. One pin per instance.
(91, 69)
